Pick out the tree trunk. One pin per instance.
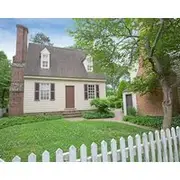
(167, 104)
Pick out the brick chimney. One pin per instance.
(17, 80)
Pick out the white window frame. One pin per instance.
(89, 67)
(48, 89)
(46, 59)
(91, 90)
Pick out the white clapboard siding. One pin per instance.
(131, 149)
(16, 159)
(83, 153)
(72, 154)
(139, 148)
(164, 146)
(45, 156)
(94, 152)
(114, 150)
(123, 149)
(158, 144)
(174, 138)
(32, 157)
(152, 147)
(146, 147)
(104, 151)
(59, 155)
(169, 142)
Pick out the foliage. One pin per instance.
(155, 122)
(13, 121)
(109, 91)
(41, 38)
(114, 102)
(50, 135)
(119, 103)
(123, 85)
(98, 115)
(102, 105)
(131, 111)
(5, 79)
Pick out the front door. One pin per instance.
(69, 96)
(129, 103)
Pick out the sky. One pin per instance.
(55, 28)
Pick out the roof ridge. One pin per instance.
(70, 49)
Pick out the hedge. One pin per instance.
(155, 122)
(97, 115)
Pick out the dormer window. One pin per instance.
(45, 59)
(90, 68)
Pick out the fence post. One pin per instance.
(168, 134)
(131, 149)
(139, 148)
(83, 153)
(146, 147)
(158, 143)
(59, 155)
(164, 145)
(72, 154)
(94, 152)
(104, 151)
(123, 149)
(152, 147)
(32, 157)
(45, 156)
(176, 156)
(114, 150)
(16, 159)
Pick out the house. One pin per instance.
(150, 103)
(47, 79)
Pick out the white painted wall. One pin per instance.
(31, 106)
(134, 102)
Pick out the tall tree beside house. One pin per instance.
(41, 38)
(5, 78)
(157, 41)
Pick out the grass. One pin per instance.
(49, 135)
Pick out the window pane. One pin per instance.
(91, 93)
(45, 91)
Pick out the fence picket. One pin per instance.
(123, 149)
(176, 157)
(114, 150)
(152, 147)
(83, 153)
(16, 159)
(139, 148)
(1, 160)
(178, 137)
(164, 146)
(158, 143)
(94, 152)
(59, 155)
(32, 157)
(168, 134)
(72, 154)
(45, 156)
(131, 149)
(146, 147)
(104, 151)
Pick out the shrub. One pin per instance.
(118, 103)
(123, 85)
(131, 111)
(112, 101)
(97, 115)
(155, 122)
(12, 121)
(102, 105)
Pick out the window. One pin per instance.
(91, 91)
(45, 61)
(89, 68)
(44, 91)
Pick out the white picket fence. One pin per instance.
(160, 146)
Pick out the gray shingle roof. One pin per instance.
(64, 62)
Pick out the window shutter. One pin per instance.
(52, 91)
(36, 92)
(85, 92)
(97, 91)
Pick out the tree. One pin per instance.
(124, 41)
(41, 38)
(5, 79)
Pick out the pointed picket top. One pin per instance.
(83, 153)
(32, 157)
(114, 150)
(131, 149)
(72, 154)
(45, 156)
(16, 159)
(94, 152)
(158, 143)
(146, 147)
(164, 146)
(176, 155)
(123, 149)
(152, 146)
(59, 155)
(1, 160)
(139, 149)
(104, 151)
(169, 144)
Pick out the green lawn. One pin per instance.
(50, 135)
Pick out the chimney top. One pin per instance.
(21, 26)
